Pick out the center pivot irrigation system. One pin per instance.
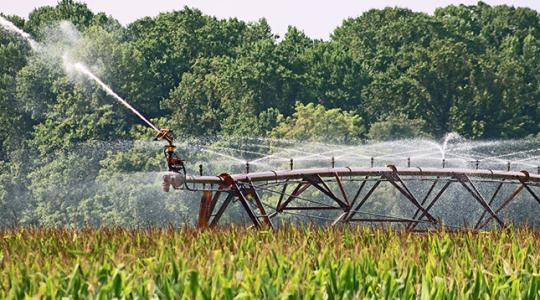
(339, 195)
(343, 195)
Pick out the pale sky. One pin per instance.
(317, 18)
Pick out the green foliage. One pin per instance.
(8, 213)
(469, 69)
(462, 70)
(232, 263)
(75, 12)
(334, 79)
(395, 128)
(112, 59)
(117, 162)
(34, 86)
(171, 42)
(226, 95)
(74, 118)
(316, 123)
(61, 184)
(13, 123)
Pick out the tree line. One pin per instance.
(386, 74)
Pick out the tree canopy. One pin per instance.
(390, 73)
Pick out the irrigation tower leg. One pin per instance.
(300, 188)
(359, 191)
(253, 192)
(283, 190)
(531, 192)
(204, 210)
(426, 197)
(241, 195)
(318, 183)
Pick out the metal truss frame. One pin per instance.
(247, 188)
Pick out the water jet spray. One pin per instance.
(12, 28)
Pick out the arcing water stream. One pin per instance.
(80, 67)
(84, 70)
(12, 28)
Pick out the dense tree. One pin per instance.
(386, 74)
(60, 186)
(13, 195)
(171, 42)
(315, 123)
(227, 94)
(75, 12)
(334, 79)
(14, 124)
(397, 127)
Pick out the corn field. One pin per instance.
(293, 263)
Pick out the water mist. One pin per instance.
(14, 29)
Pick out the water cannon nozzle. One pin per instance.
(165, 134)
(174, 162)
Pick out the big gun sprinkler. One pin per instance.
(176, 174)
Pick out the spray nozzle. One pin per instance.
(165, 134)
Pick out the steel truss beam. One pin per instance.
(246, 189)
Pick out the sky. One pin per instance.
(317, 18)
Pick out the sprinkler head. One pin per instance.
(162, 133)
(165, 134)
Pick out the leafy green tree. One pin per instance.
(34, 86)
(14, 126)
(196, 110)
(502, 101)
(442, 74)
(122, 66)
(317, 124)
(227, 95)
(75, 12)
(397, 127)
(59, 187)
(334, 80)
(171, 42)
(294, 54)
(76, 117)
(12, 205)
(377, 38)
(130, 200)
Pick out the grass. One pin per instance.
(291, 263)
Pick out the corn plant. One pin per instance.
(290, 263)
